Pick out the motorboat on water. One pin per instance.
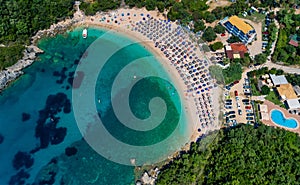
(84, 33)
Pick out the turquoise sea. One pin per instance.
(41, 137)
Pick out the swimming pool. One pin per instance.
(279, 119)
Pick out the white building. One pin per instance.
(293, 104)
(278, 80)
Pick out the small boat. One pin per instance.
(84, 33)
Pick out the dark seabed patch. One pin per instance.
(25, 116)
(46, 129)
(1, 138)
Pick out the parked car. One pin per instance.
(228, 101)
(249, 118)
(249, 114)
(236, 93)
(236, 82)
(238, 105)
(226, 104)
(246, 90)
(240, 112)
(228, 107)
(248, 110)
(231, 112)
(232, 116)
(237, 98)
(245, 100)
(250, 122)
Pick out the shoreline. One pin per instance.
(194, 103)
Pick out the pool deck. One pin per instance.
(272, 106)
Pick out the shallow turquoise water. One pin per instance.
(278, 118)
(42, 134)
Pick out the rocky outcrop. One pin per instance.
(12, 72)
(30, 53)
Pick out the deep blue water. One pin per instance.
(37, 112)
(278, 118)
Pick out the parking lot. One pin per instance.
(238, 104)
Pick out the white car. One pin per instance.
(238, 105)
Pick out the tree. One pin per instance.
(233, 39)
(209, 34)
(199, 26)
(215, 46)
(150, 4)
(265, 90)
(219, 29)
(260, 58)
(210, 17)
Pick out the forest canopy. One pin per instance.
(242, 155)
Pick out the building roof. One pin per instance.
(297, 89)
(236, 50)
(286, 91)
(278, 80)
(293, 43)
(293, 103)
(263, 108)
(239, 47)
(240, 24)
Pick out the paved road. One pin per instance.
(286, 69)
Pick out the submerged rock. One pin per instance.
(69, 151)
(22, 159)
(47, 174)
(25, 116)
(19, 178)
(1, 138)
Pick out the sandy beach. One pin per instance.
(125, 21)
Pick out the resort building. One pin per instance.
(293, 104)
(236, 50)
(297, 90)
(278, 80)
(239, 28)
(294, 40)
(286, 92)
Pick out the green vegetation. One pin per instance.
(242, 155)
(219, 29)
(255, 17)
(265, 90)
(254, 89)
(21, 19)
(284, 52)
(257, 115)
(260, 58)
(99, 5)
(216, 73)
(215, 46)
(233, 39)
(246, 61)
(199, 26)
(10, 55)
(294, 79)
(273, 97)
(233, 72)
(209, 34)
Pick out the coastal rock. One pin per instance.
(147, 179)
